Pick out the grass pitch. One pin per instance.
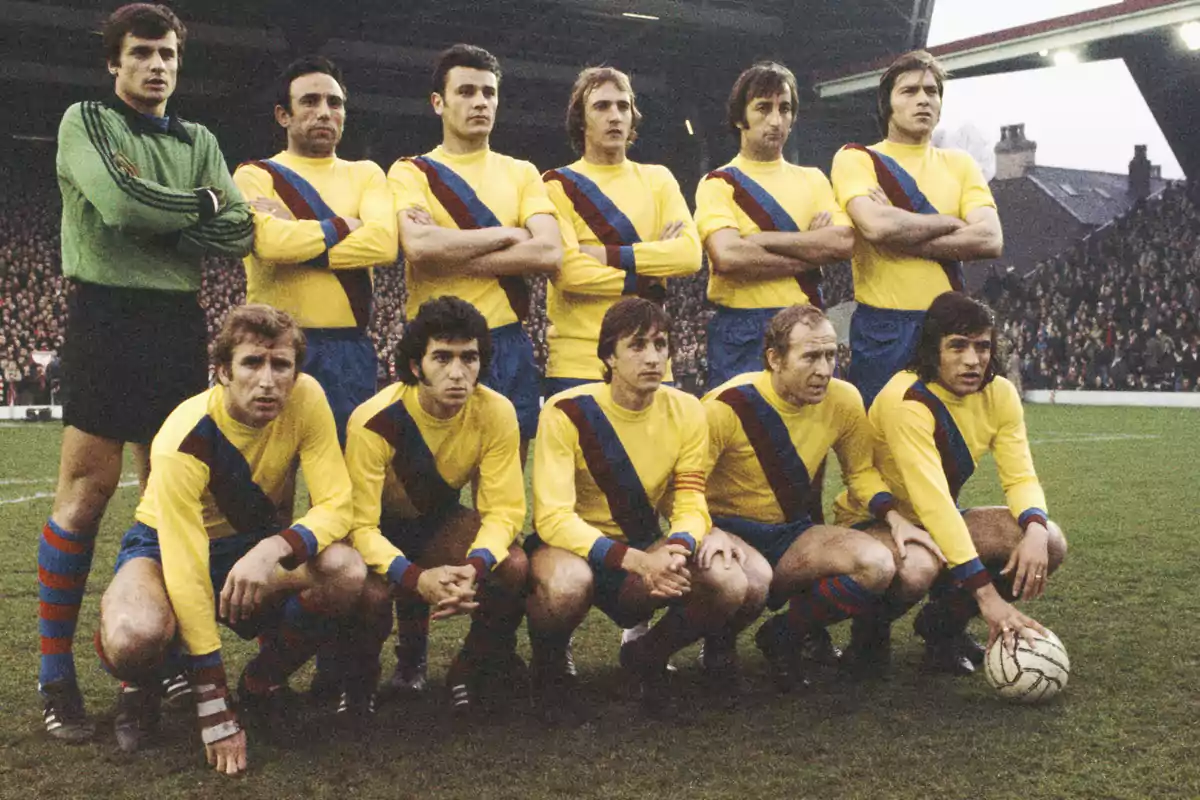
(1121, 482)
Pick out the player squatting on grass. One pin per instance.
(611, 457)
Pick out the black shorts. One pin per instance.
(129, 357)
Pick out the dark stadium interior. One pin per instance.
(681, 66)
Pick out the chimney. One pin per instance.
(1014, 153)
(1139, 173)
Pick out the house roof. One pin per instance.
(1093, 198)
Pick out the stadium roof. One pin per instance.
(1144, 33)
(683, 61)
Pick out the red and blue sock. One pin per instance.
(64, 561)
(826, 601)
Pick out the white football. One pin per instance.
(1034, 673)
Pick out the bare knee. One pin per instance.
(1056, 545)
(874, 567)
(513, 573)
(376, 596)
(342, 575)
(915, 574)
(758, 581)
(561, 590)
(724, 590)
(135, 636)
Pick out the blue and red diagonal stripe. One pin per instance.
(902, 189)
(957, 463)
(768, 215)
(768, 434)
(612, 470)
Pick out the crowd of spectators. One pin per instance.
(32, 299)
(1117, 312)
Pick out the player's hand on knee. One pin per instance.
(448, 590)
(1029, 563)
(905, 533)
(664, 571)
(246, 585)
(228, 755)
(718, 545)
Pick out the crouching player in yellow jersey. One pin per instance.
(609, 457)
(625, 226)
(933, 421)
(769, 431)
(209, 545)
(411, 450)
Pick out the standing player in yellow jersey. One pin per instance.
(918, 211)
(625, 226)
(321, 224)
(210, 534)
(768, 225)
(933, 422)
(609, 458)
(769, 431)
(474, 223)
(411, 450)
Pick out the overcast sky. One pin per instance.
(1068, 110)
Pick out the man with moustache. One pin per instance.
(768, 226)
(321, 224)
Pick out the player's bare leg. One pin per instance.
(828, 574)
(869, 652)
(718, 655)
(136, 636)
(561, 590)
(715, 596)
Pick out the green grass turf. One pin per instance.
(1120, 481)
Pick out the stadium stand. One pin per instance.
(1117, 311)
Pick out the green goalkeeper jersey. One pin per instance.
(144, 199)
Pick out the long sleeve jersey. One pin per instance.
(511, 189)
(745, 416)
(131, 215)
(952, 182)
(657, 453)
(405, 462)
(643, 197)
(928, 441)
(299, 265)
(212, 477)
(802, 192)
